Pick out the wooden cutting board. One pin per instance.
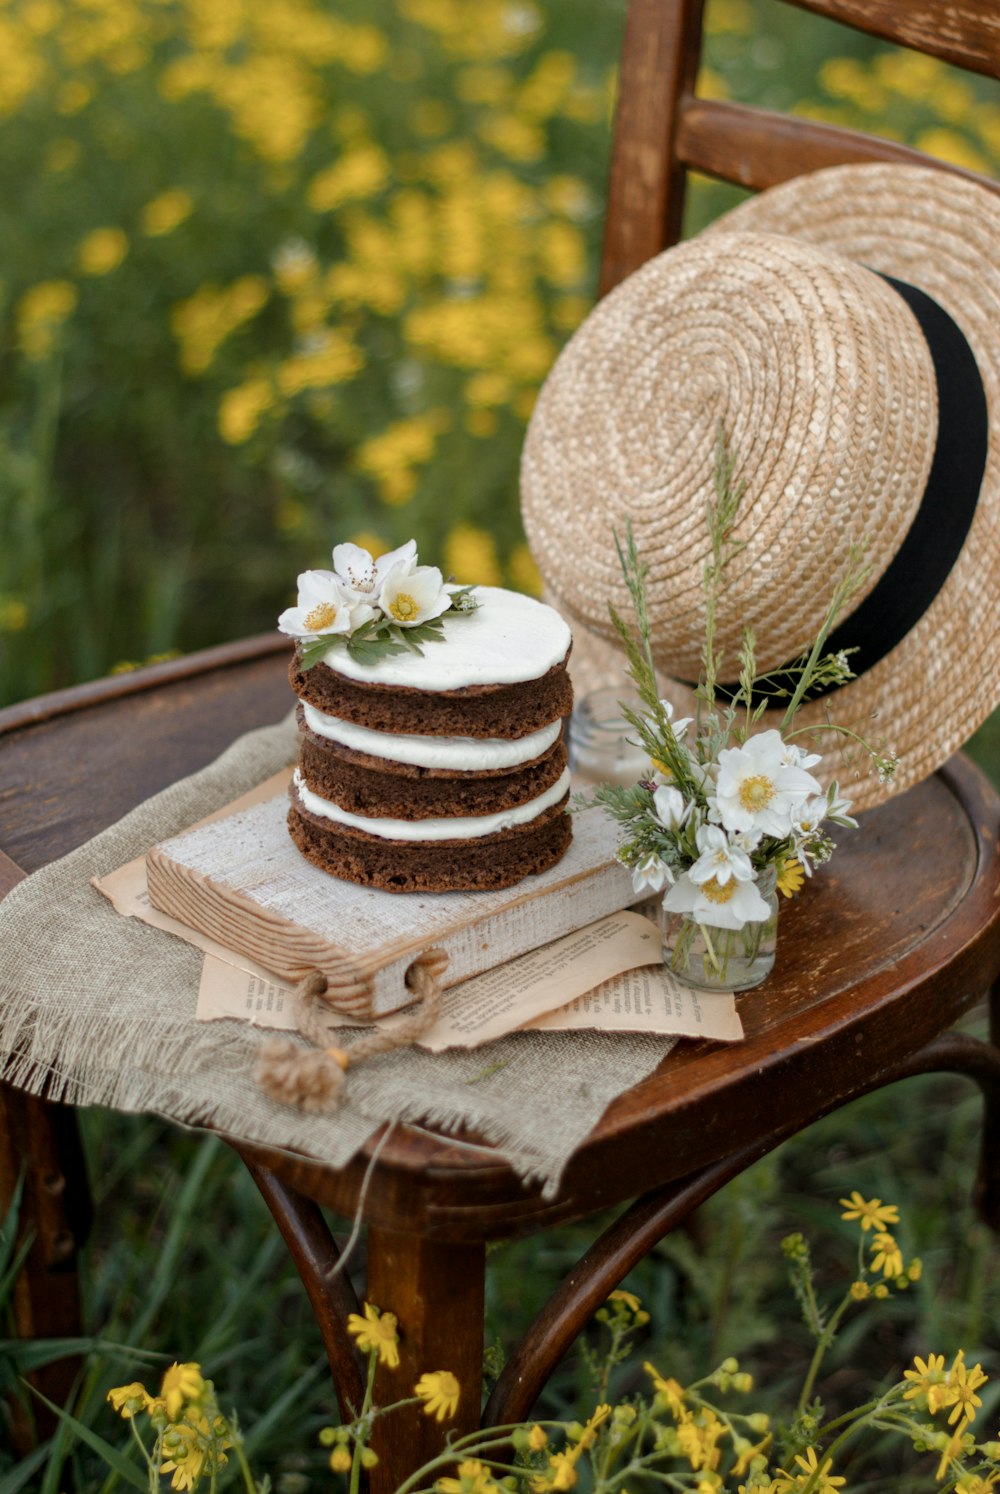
(242, 881)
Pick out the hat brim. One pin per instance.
(940, 233)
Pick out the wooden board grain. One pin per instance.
(242, 881)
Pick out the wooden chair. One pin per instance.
(874, 965)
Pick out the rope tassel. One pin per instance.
(312, 1079)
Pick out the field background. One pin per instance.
(276, 273)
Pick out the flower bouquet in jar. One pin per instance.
(728, 816)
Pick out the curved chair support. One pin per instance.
(598, 1272)
(330, 1292)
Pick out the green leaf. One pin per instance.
(114, 1459)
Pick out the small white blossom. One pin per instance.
(756, 789)
(718, 858)
(721, 905)
(412, 595)
(361, 577)
(651, 875)
(671, 808)
(321, 608)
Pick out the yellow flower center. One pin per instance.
(756, 793)
(403, 607)
(718, 892)
(322, 616)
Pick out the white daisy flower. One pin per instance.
(757, 790)
(413, 594)
(719, 859)
(321, 608)
(721, 905)
(651, 875)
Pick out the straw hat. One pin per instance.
(857, 406)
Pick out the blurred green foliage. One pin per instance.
(276, 273)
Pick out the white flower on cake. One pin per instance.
(413, 594)
(322, 608)
(757, 790)
(723, 905)
(372, 608)
(362, 577)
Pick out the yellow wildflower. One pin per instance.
(949, 145)
(671, 1391)
(341, 1460)
(589, 1433)
(360, 172)
(202, 323)
(629, 1298)
(129, 1400)
(240, 410)
(928, 1379)
(561, 1473)
(860, 1290)
(817, 1477)
(699, 1438)
(886, 1255)
(376, 1331)
(473, 1478)
(182, 1382)
(41, 312)
(538, 1438)
(872, 1214)
(167, 212)
(470, 556)
(791, 877)
(439, 1390)
(102, 251)
(965, 1382)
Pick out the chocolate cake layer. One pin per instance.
(506, 711)
(381, 792)
(368, 760)
(483, 863)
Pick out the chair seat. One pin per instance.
(884, 948)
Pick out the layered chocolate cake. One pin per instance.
(442, 770)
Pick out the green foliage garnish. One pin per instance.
(380, 637)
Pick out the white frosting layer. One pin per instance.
(462, 827)
(457, 754)
(509, 639)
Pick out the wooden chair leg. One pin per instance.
(436, 1291)
(330, 1292)
(40, 1143)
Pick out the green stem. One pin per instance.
(360, 1439)
(241, 1458)
(829, 1334)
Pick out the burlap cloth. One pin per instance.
(98, 1009)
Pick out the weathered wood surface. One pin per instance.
(662, 129)
(243, 882)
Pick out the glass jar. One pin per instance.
(599, 746)
(714, 959)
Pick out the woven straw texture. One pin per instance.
(824, 385)
(98, 1009)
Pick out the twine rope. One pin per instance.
(312, 1079)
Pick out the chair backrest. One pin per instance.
(663, 130)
